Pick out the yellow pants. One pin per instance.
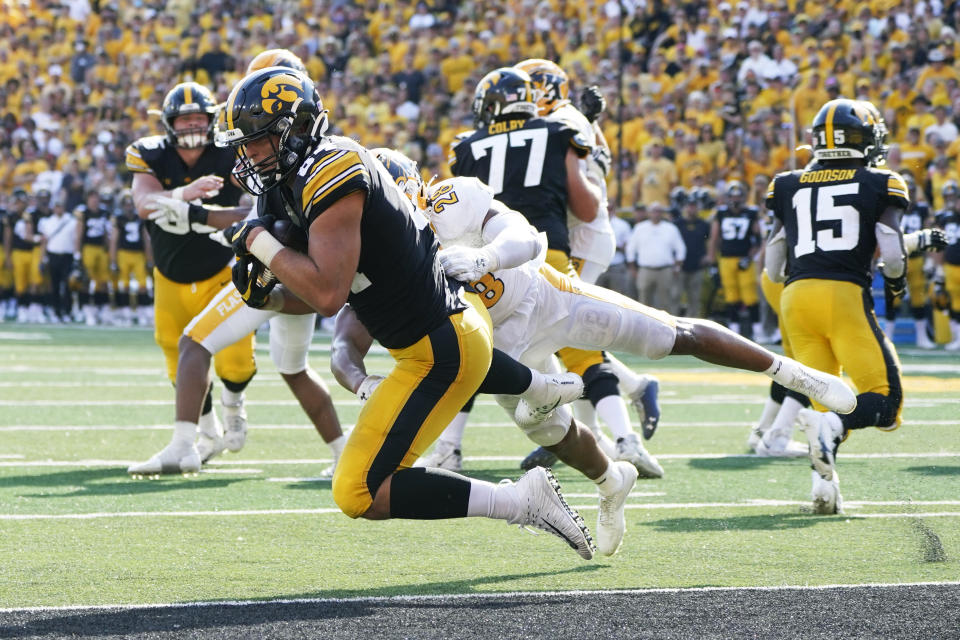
(26, 270)
(431, 381)
(772, 292)
(131, 263)
(916, 282)
(831, 324)
(738, 285)
(575, 360)
(176, 304)
(6, 275)
(96, 262)
(951, 274)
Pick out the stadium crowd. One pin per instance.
(714, 95)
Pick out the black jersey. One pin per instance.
(829, 213)
(737, 230)
(129, 233)
(949, 221)
(399, 292)
(524, 161)
(914, 217)
(24, 229)
(193, 256)
(96, 225)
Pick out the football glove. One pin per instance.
(894, 288)
(932, 240)
(366, 388)
(237, 234)
(466, 264)
(601, 155)
(173, 215)
(744, 263)
(253, 281)
(592, 102)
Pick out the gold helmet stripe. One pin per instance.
(829, 128)
(187, 94)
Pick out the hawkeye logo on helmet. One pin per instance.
(281, 92)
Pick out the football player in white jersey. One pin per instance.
(225, 320)
(592, 247)
(536, 310)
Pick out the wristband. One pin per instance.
(177, 194)
(265, 247)
(198, 214)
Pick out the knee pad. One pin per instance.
(599, 382)
(290, 338)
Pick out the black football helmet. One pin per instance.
(504, 91)
(950, 189)
(405, 174)
(279, 102)
(679, 198)
(735, 193)
(845, 129)
(184, 99)
(704, 198)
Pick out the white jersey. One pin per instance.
(592, 241)
(456, 213)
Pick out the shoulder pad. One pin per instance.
(457, 209)
(139, 153)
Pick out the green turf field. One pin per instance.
(78, 405)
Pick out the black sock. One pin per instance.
(506, 376)
(873, 410)
(428, 494)
(236, 387)
(208, 401)
(777, 392)
(599, 382)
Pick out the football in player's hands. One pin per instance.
(289, 235)
(592, 102)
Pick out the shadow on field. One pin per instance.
(769, 522)
(109, 482)
(935, 470)
(230, 619)
(735, 463)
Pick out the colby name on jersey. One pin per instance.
(829, 214)
(457, 211)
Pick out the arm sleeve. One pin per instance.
(775, 257)
(891, 250)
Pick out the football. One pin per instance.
(290, 235)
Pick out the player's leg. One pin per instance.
(290, 338)
(747, 281)
(729, 280)
(951, 274)
(918, 291)
(100, 274)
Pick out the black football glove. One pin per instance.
(236, 234)
(253, 281)
(932, 240)
(592, 102)
(894, 288)
(744, 263)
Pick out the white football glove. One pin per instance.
(170, 214)
(366, 388)
(467, 264)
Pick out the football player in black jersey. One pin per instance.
(20, 252)
(947, 277)
(831, 217)
(735, 235)
(172, 174)
(130, 254)
(93, 226)
(6, 268)
(367, 246)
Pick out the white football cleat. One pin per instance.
(176, 457)
(630, 449)
(210, 437)
(542, 506)
(235, 423)
(756, 435)
(776, 444)
(827, 389)
(611, 523)
(561, 388)
(826, 494)
(826, 483)
(444, 456)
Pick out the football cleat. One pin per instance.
(780, 444)
(645, 402)
(611, 523)
(560, 388)
(826, 494)
(756, 434)
(539, 457)
(542, 506)
(176, 457)
(630, 449)
(327, 472)
(235, 423)
(210, 437)
(826, 481)
(827, 389)
(444, 456)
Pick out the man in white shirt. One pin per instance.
(657, 250)
(758, 63)
(58, 232)
(944, 128)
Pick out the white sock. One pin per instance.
(453, 434)
(786, 417)
(584, 412)
(184, 432)
(231, 398)
(610, 481)
(613, 411)
(488, 500)
(210, 426)
(630, 382)
(336, 446)
(784, 370)
(770, 409)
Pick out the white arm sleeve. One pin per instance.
(891, 250)
(911, 241)
(511, 239)
(775, 257)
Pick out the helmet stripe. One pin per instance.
(829, 130)
(187, 94)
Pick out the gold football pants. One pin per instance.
(738, 285)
